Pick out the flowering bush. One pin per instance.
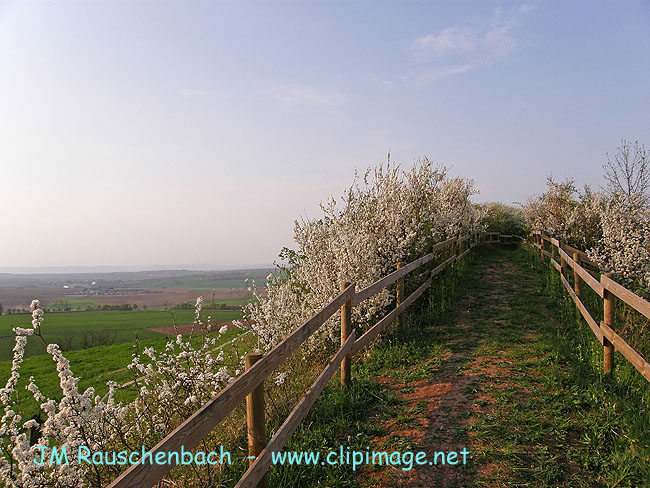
(613, 228)
(566, 214)
(170, 386)
(389, 216)
(504, 219)
(625, 245)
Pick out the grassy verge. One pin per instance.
(615, 407)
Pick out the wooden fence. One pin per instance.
(502, 238)
(605, 287)
(250, 384)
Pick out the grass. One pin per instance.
(205, 281)
(82, 302)
(337, 418)
(94, 367)
(80, 330)
(340, 417)
(549, 416)
(525, 392)
(528, 396)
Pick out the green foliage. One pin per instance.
(612, 412)
(504, 219)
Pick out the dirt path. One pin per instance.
(481, 376)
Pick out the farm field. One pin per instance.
(81, 330)
(94, 367)
(205, 281)
(233, 297)
(150, 289)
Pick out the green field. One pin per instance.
(202, 282)
(82, 302)
(78, 302)
(81, 330)
(94, 367)
(240, 302)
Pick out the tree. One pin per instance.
(1, 309)
(565, 213)
(552, 211)
(629, 173)
(504, 219)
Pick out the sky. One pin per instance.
(142, 132)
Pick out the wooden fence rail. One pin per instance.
(201, 423)
(607, 289)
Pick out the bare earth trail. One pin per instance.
(486, 377)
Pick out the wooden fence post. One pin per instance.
(553, 252)
(255, 419)
(346, 329)
(540, 241)
(564, 267)
(399, 291)
(608, 318)
(576, 282)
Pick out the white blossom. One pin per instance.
(388, 217)
(280, 379)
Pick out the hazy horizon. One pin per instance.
(22, 270)
(134, 133)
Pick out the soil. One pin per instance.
(445, 403)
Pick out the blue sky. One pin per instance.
(196, 132)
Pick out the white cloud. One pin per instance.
(500, 41)
(524, 8)
(449, 40)
(439, 73)
(459, 49)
